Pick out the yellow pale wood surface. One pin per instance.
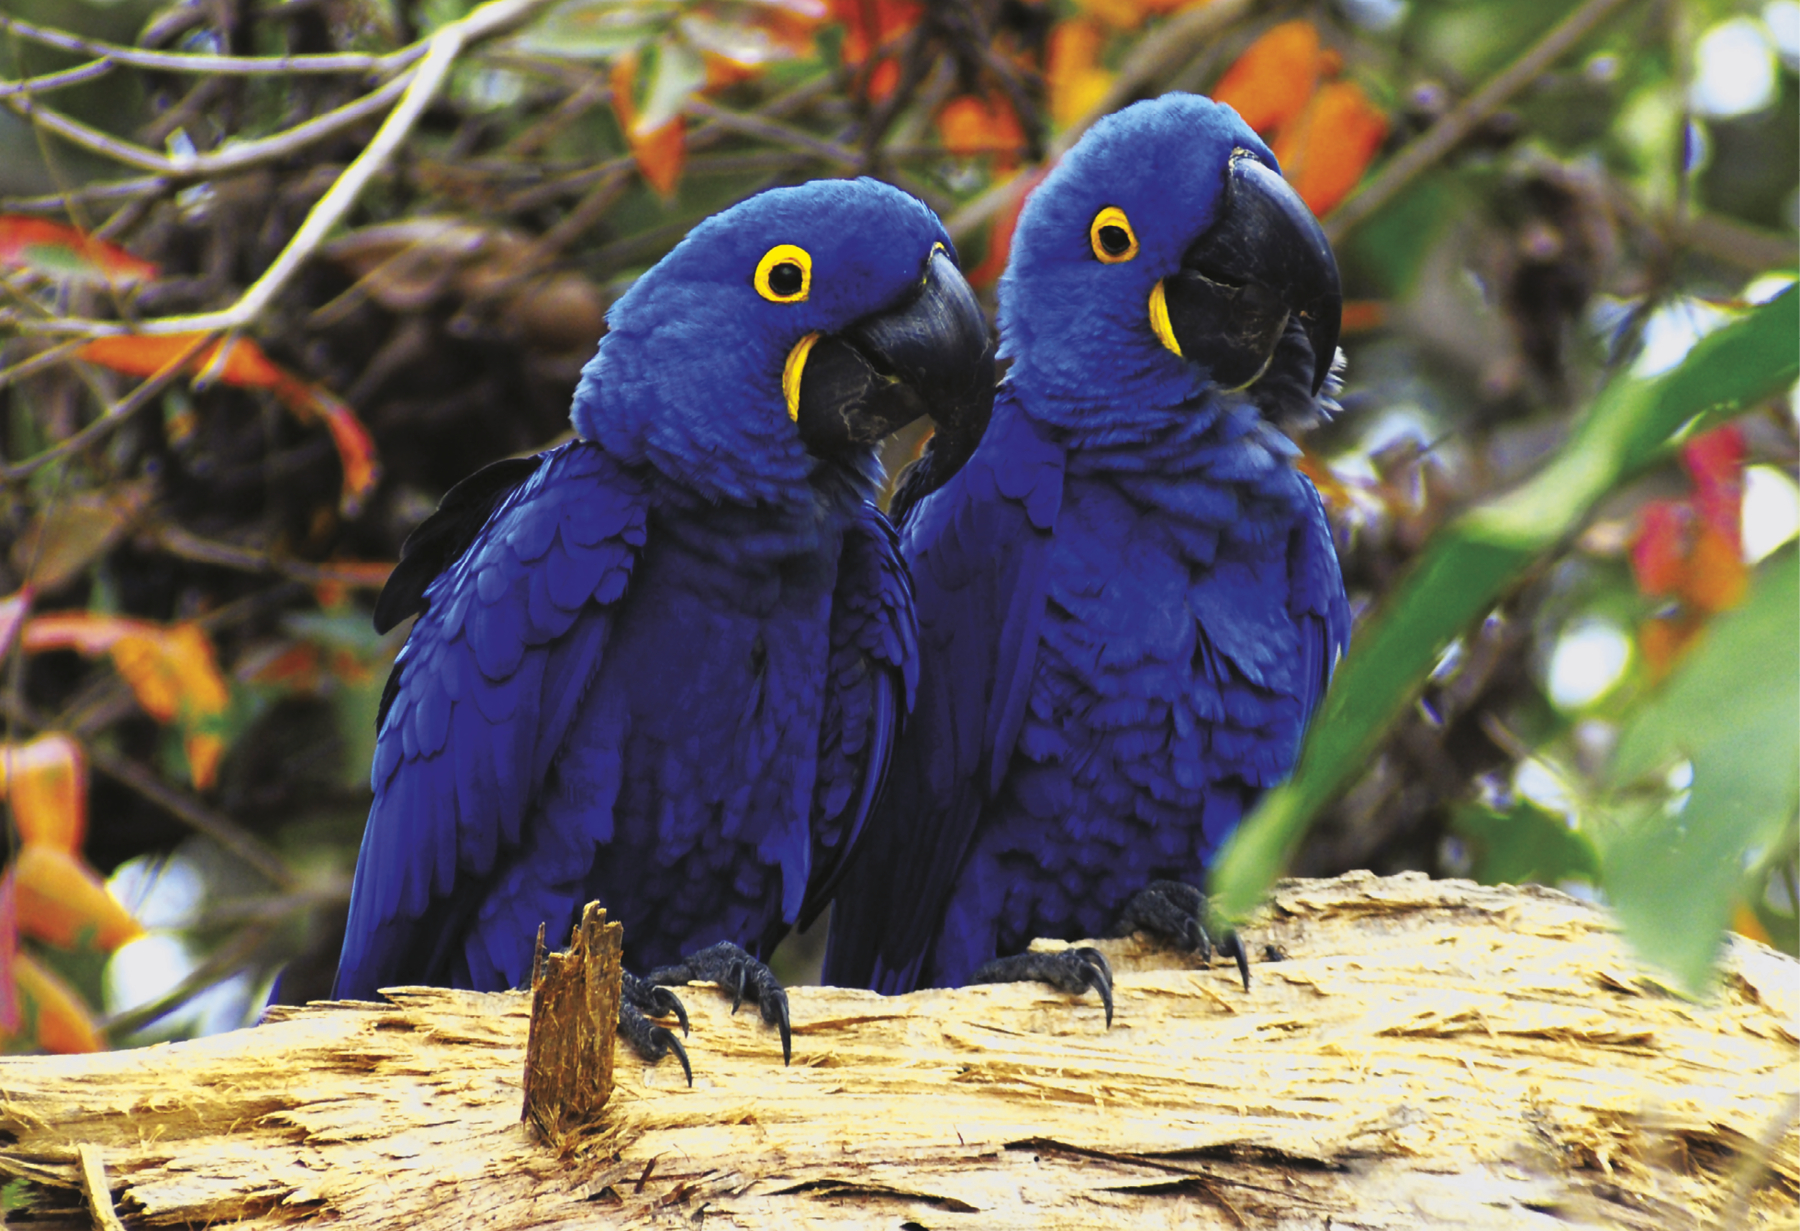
(1431, 1054)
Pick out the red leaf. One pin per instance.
(1715, 462)
(1271, 82)
(46, 783)
(62, 251)
(1659, 552)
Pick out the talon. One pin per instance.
(737, 995)
(670, 1043)
(1234, 946)
(1097, 974)
(668, 1004)
(787, 1034)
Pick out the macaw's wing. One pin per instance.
(484, 691)
(873, 676)
(979, 550)
(1317, 601)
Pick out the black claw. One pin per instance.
(653, 1000)
(1075, 971)
(1175, 912)
(734, 970)
(1233, 946)
(649, 1040)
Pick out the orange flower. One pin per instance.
(971, 126)
(61, 901)
(46, 783)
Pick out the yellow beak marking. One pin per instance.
(791, 372)
(1159, 318)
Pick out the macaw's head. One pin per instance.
(799, 326)
(1165, 252)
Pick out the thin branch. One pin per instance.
(188, 546)
(43, 359)
(177, 62)
(445, 45)
(220, 965)
(229, 161)
(59, 202)
(55, 81)
(775, 132)
(1163, 51)
(1456, 125)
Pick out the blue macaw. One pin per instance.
(662, 666)
(1129, 602)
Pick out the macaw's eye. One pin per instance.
(1111, 237)
(784, 275)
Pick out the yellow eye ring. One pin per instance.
(1111, 237)
(784, 275)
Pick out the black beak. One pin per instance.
(928, 354)
(1263, 260)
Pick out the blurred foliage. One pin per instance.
(1574, 660)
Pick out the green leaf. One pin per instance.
(1732, 709)
(1474, 560)
(677, 73)
(1526, 844)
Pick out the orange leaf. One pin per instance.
(872, 24)
(1271, 82)
(62, 251)
(46, 783)
(1327, 150)
(56, 1016)
(1745, 923)
(245, 366)
(355, 449)
(13, 610)
(1715, 577)
(9, 956)
(1662, 643)
(61, 899)
(971, 126)
(170, 668)
(660, 152)
(1072, 70)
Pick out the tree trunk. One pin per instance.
(1429, 1054)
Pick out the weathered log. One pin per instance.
(1429, 1054)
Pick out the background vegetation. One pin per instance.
(274, 274)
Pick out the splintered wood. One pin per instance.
(574, 1018)
(1431, 1054)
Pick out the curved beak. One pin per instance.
(928, 354)
(1264, 260)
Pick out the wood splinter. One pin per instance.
(574, 1019)
(96, 1190)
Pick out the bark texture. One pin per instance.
(1430, 1054)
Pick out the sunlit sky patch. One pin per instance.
(1771, 511)
(1671, 332)
(1734, 69)
(1589, 661)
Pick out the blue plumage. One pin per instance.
(662, 666)
(1129, 603)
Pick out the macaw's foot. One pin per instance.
(1071, 970)
(1175, 913)
(738, 973)
(639, 1002)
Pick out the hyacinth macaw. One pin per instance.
(662, 666)
(1129, 602)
